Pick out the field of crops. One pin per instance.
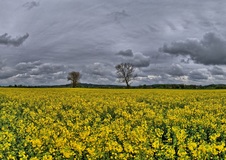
(112, 124)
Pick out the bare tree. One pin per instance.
(125, 73)
(74, 78)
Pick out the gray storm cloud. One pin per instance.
(137, 59)
(6, 39)
(2, 63)
(33, 69)
(210, 50)
(30, 5)
(176, 70)
(98, 72)
(198, 75)
(140, 60)
(217, 71)
(26, 66)
(127, 53)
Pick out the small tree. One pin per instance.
(74, 78)
(125, 73)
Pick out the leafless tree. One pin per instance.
(74, 77)
(125, 73)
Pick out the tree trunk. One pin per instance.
(73, 84)
(127, 84)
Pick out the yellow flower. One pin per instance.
(220, 147)
(192, 146)
(60, 142)
(125, 124)
(182, 152)
(127, 147)
(34, 158)
(67, 153)
(47, 157)
(36, 143)
(214, 136)
(159, 132)
(156, 144)
(91, 151)
(11, 157)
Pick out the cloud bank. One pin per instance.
(138, 59)
(126, 53)
(210, 50)
(30, 5)
(6, 39)
(34, 73)
(200, 74)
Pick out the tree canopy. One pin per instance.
(74, 77)
(125, 73)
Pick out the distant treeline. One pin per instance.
(183, 86)
(154, 86)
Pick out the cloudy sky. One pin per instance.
(169, 41)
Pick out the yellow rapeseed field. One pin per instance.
(112, 124)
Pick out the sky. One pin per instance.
(168, 41)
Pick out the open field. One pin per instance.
(112, 124)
